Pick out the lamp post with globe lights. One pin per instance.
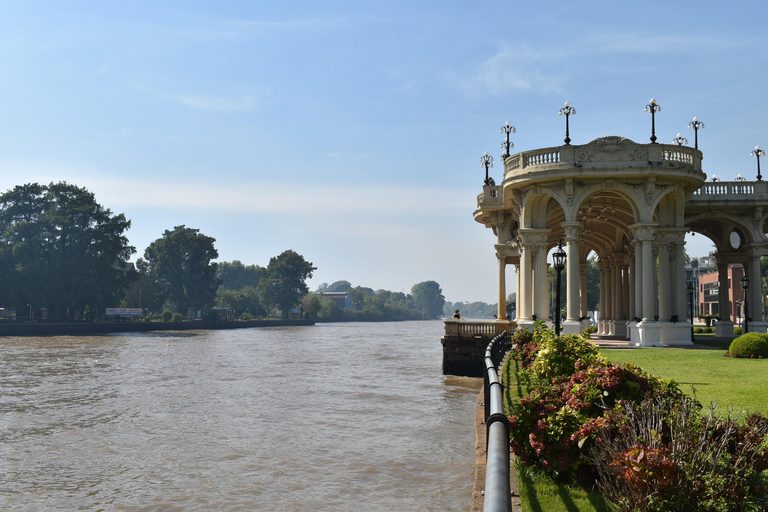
(507, 145)
(680, 140)
(486, 161)
(745, 287)
(567, 111)
(653, 107)
(558, 258)
(695, 124)
(690, 297)
(757, 152)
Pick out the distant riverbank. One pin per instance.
(86, 328)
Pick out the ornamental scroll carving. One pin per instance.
(611, 149)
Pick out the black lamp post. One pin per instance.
(757, 152)
(745, 287)
(559, 260)
(696, 124)
(690, 296)
(653, 107)
(506, 145)
(567, 110)
(680, 140)
(486, 161)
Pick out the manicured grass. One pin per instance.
(538, 493)
(741, 384)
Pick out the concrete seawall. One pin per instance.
(87, 328)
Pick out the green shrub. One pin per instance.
(698, 330)
(178, 317)
(709, 330)
(752, 344)
(557, 356)
(246, 316)
(589, 330)
(167, 315)
(737, 331)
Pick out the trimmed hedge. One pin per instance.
(750, 345)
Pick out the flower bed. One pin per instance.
(578, 406)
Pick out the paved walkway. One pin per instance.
(620, 342)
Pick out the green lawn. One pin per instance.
(741, 384)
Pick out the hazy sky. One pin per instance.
(351, 132)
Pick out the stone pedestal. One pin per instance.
(676, 334)
(620, 328)
(724, 329)
(648, 334)
(758, 327)
(572, 327)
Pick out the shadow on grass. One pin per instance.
(528, 490)
(565, 497)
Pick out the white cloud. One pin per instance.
(515, 68)
(201, 102)
(204, 102)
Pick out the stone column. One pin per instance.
(541, 291)
(631, 283)
(608, 297)
(572, 237)
(665, 310)
(724, 326)
(603, 301)
(524, 297)
(626, 289)
(638, 275)
(649, 302)
(583, 289)
(517, 291)
(502, 313)
(681, 284)
(655, 251)
(723, 305)
(755, 292)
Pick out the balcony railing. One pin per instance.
(730, 190)
(604, 152)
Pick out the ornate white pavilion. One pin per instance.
(632, 205)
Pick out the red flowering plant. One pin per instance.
(551, 426)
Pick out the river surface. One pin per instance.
(336, 417)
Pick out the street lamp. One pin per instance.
(30, 311)
(567, 110)
(680, 140)
(696, 124)
(745, 287)
(559, 260)
(486, 161)
(506, 145)
(757, 152)
(653, 107)
(690, 296)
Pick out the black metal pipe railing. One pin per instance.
(497, 490)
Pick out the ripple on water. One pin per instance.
(330, 417)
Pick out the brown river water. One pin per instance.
(336, 417)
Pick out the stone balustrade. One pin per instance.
(465, 341)
(730, 190)
(604, 152)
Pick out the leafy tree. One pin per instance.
(284, 283)
(428, 297)
(245, 299)
(181, 264)
(60, 249)
(142, 292)
(339, 286)
(236, 276)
